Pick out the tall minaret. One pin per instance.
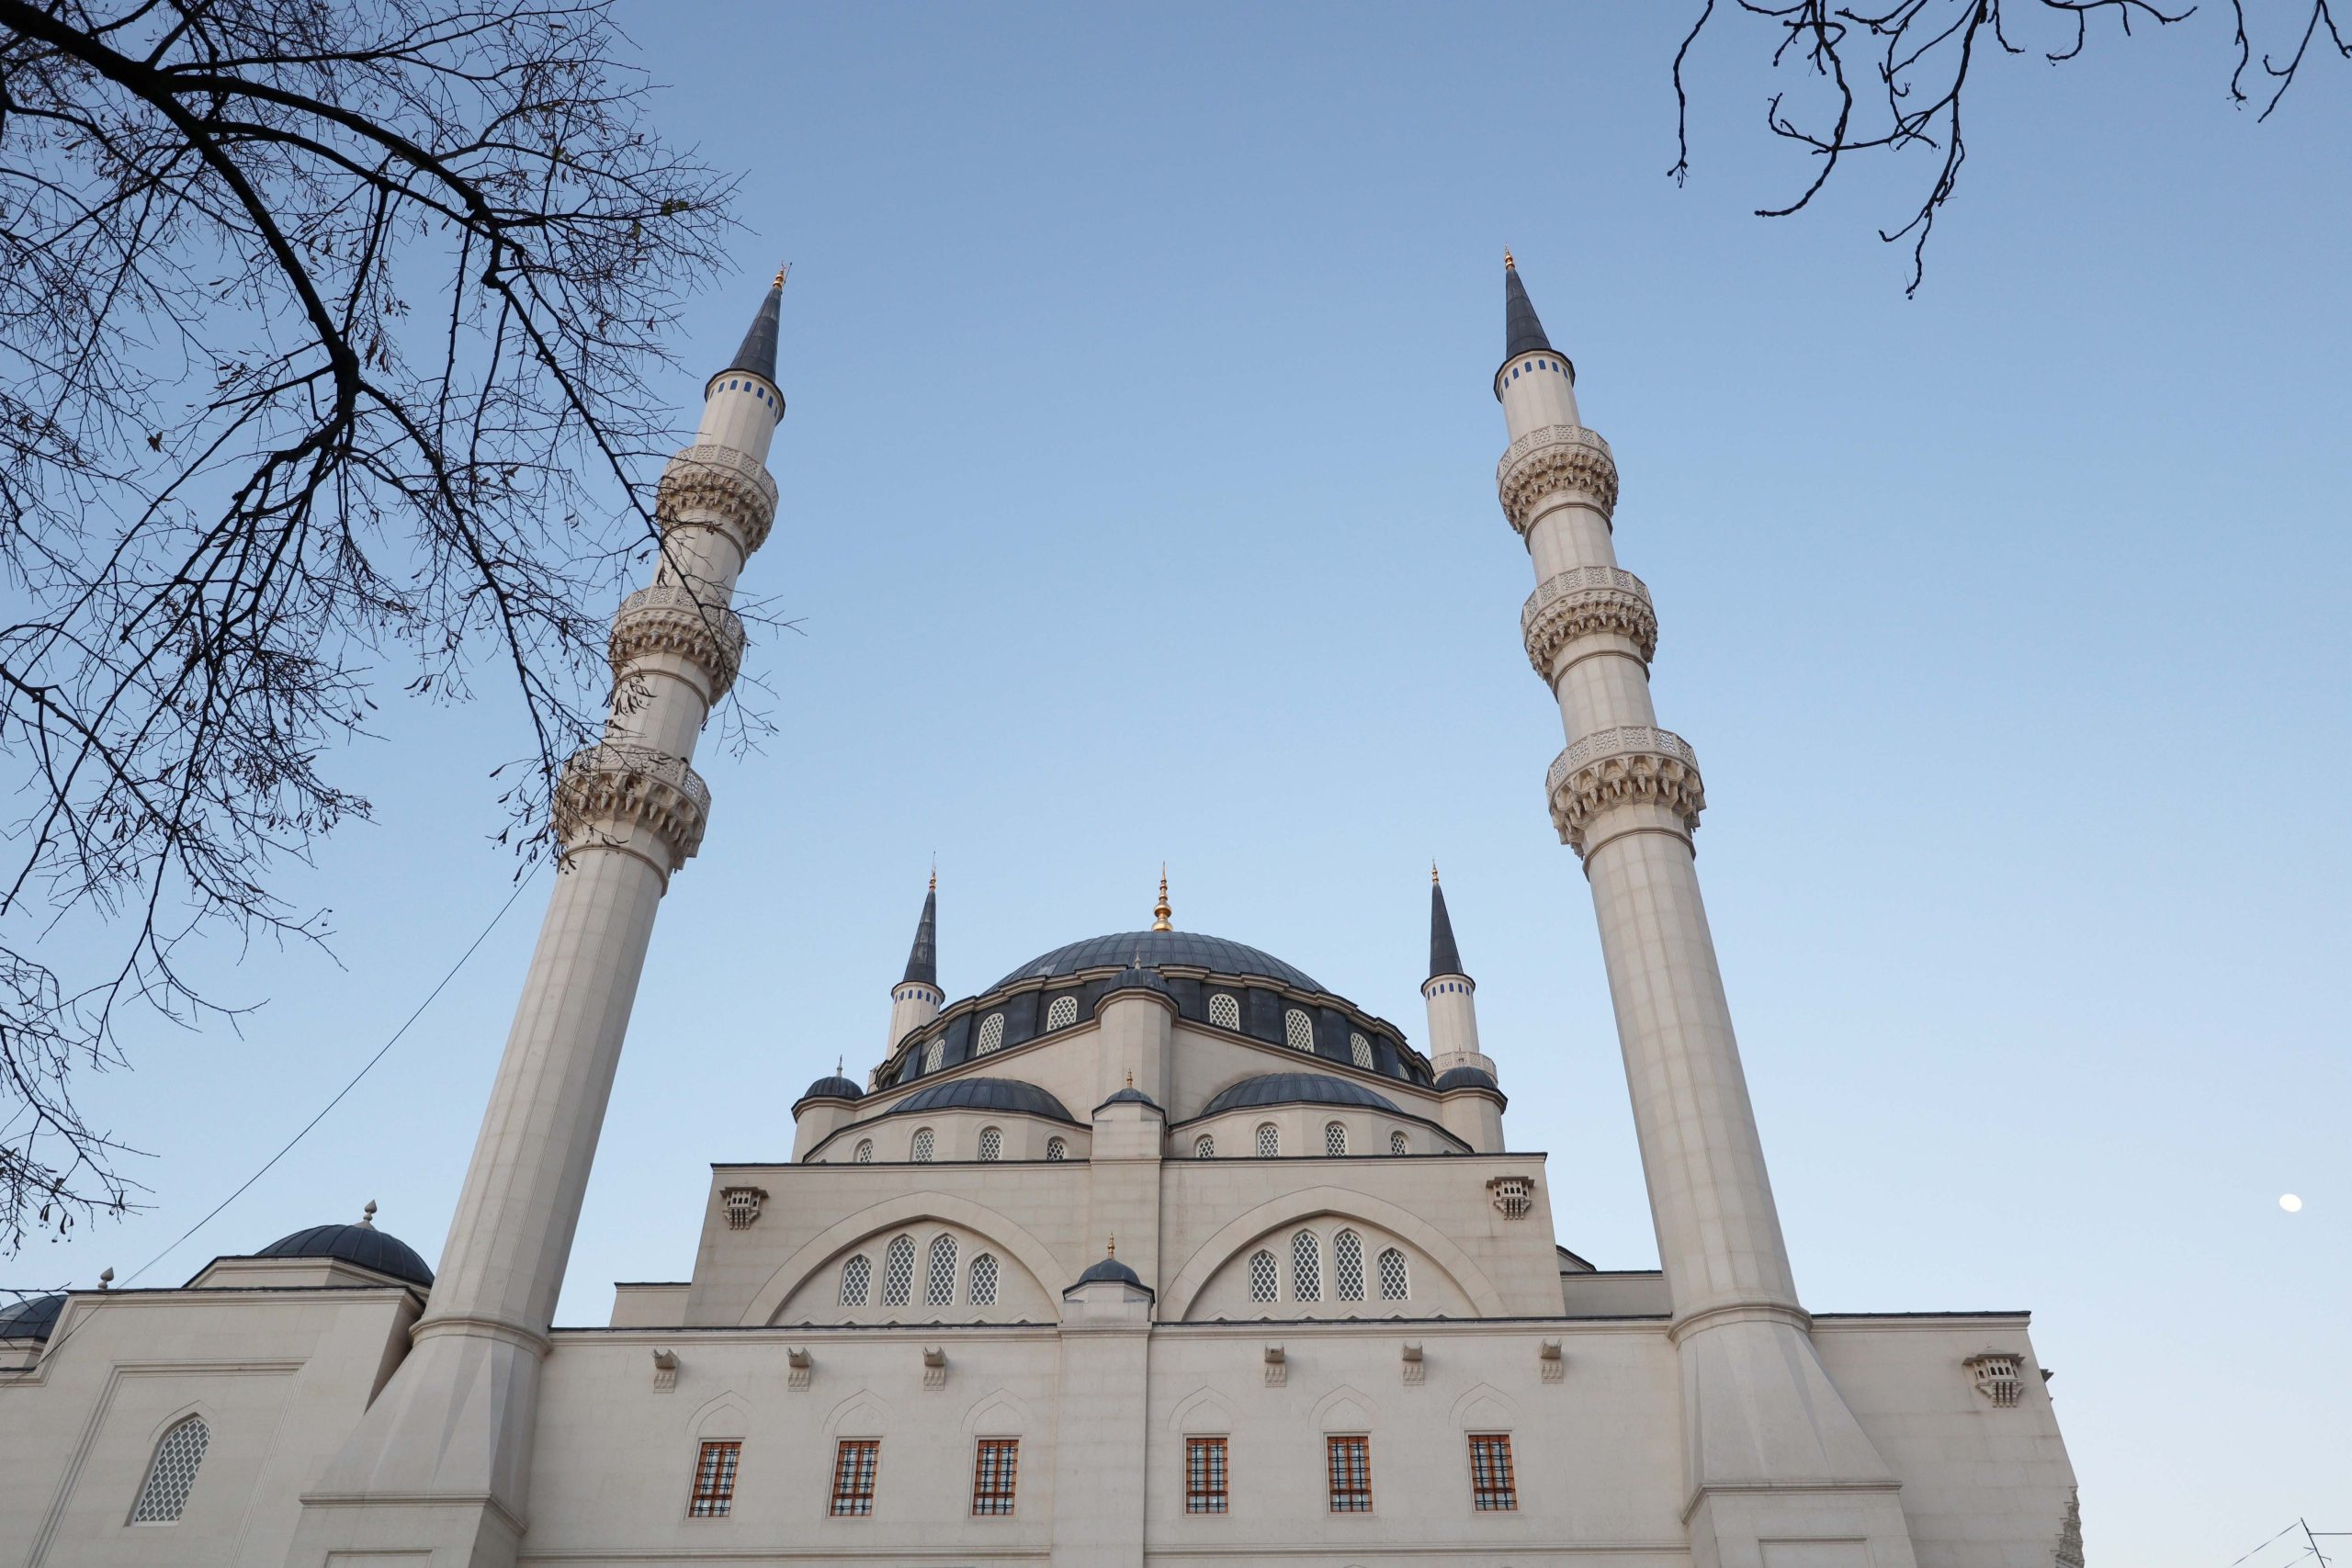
(1472, 1103)
(1770, 1445)
(916, 999)
(441, 1459)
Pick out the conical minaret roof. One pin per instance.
(1446, 958)
(923, 963)
(758, 353)
(1522, 328)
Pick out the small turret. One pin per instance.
(916, 999)
(1472, 1106)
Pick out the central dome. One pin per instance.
(1158, 949)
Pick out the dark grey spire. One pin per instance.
(1444, 957)
(758, 353)
(923, 963)
(1522, 331)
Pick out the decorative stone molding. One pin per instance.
(797, 1366)
(718, 487)
(670, 620)
(665, 1371)
(1580, 603)
(1611, 767)
(631, 786)
(1277, 1367)
(935, 1367)
(1514, 1196)
(1554, 458)
(1417, 1370)
(742, 1205)
(1548, 1357)
(1996, 1377)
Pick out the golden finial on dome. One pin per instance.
(1506, 261)
(1161, 911)
(1113, 1250)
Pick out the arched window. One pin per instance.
(924, 1142)
(1269, 1142)
(1397, 1144)
(1393, 1284)
(1306, 1267)
(1298, 1031)
(991, 1144)
(1261, 1277)
(1055, 1148)
(864, 1155)
(1359, 1051)
(1335, 1138)
(1347, 1265)
(1063, 1013)
(1224, 1012)
(172, 1473)
(939, 1277)
(1204, 1147)
(934, 1054)
(992, 1034)
(898, 1271)
(983, 1290)
(856, 1275)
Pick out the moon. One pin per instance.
(2289, 1202)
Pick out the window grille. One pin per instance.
(921, 1150)
(1063, 1013)
(714, 1492)
(1491, 1488)
(1057, 1149)
(1224, 1012)
(1359, 1051)
(898, 1271)
(1269, 1142)
(1335, 1138)
(864, 1155)
(854, 1463)
(1351, 1465)
(172, 1473)
(991, 1144)
(1204, 1476)
(939, 1278)
(1393, 1283)
(1204, 1147)
(1262, 1280)
(1298, 1031)
(992, 1034)
(1347, 1265)
(993, 1469)
(983, 1289)
(1306, 1267)
(935, 1054)
(857, 1274)
(1396, 1144)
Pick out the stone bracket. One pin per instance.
(1634, 762)
(689, 625)
(1587, 601)
(1553, 458)
(610, 786)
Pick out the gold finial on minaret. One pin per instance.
(1432, 874)
(1161, 911)
(934, 874)
(1506, 261)
(782, 272)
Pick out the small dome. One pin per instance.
(1134, 977)
(362, 1245)
(1297, 1088)
(1187, 948)
(30, 1318)
(1103, 1268)
(833, 1087)
(1465, 1077)
(987, 1094)
(1130, 1095)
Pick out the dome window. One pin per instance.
(1204, 1147)
(171, 1475)
(1347, 1265)
(939, 1278)
(1224, 1012)
(1335, 1138)
(1270, 1140)
(1306, 1267)
(1063, 1013)
(923, 1144)
(1396, 1144)
(991, 1144)
(857, 1275)
(934, 1054)
(992, 1034)
(1261, 1277)
(1057, 1149)
(864, 1155)
(1298, 1031)
(983, 1292)
(1359, 1051)
(898, 1271)
(1393, 1286)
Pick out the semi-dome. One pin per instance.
(1158, 949)
(30, 1318)
(1465, 1077)
(833, 1087)
(1297, 1088)
(987, 1094)
(363, 1245)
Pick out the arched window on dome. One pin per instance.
(1298, 1031)
(1359, 1051)
(983, 1292)
(898, 1271)
(991, 1144)
(1306, 1267)
(939, 1275)
(1393, 1286)
(923, 1144)
(171, 1474)
(935, 1054)
(864, 1155)
(1262, 1278)
(1056, 1148)
(992, 1034)
(1270, 1140)
(1335, 1138)
(1063, 1013)
(1397, 1144)
(1204, 1147)
(1347, 1265)
(1224, 1012)
(857, 1277)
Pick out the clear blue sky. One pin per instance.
(1138, 500)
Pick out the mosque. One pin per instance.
(1159, 1250)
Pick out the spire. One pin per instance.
(758, 353)
(923, 963)
(1444, 957)
(1522, 331)
(1161, 911)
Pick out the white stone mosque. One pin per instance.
(1157, 1251)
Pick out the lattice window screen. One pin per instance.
(991, 1144)
(923, 1144)
(1063, 1013)
(1335, 1138)
(1224, 1012)
(939, 1278)
(1262, 1278)
(1393, 1283)
(983, 1288)
(1269, 1142)
(172, 1474)
(898, 1271)
(1347, 1265)
(857, 1274)
(1306, 1267)
(1298, 1031)
(992, 1034)
(1359, 1051)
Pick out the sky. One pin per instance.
(1137, 506)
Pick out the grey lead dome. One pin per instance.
(1297, 1088)
(1157, 950)
(363, 1245)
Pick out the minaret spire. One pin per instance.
(1446, 958)
(916, 999)
(1471, 1103)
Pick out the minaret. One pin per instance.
(916, 999)
(442, 1458)
(1472, 1105)
(1770, 1447)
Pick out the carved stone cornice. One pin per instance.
(1580, 603)
(718, 487)
(1552, 458)
(683, 622)
(611, 787)
(1634, 762)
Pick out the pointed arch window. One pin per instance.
(1306, 1267)
(1204, 1147)
(934, 1054)
(1335, 1138)
(857, 1276)
(1262, 1277)
(924, 1142)
(1298, 1031)
(1224, 1012)
(1057, 1149)
(983, 1292)
(864, 1155)
(1347, 1265)
(992, 1034)
(171, 1474)
(898, 1271)
(939, 1278)
(1270, 1140)
(1360, 1051)
(1063, 1013)
(991, 1144)
(1393, 1286)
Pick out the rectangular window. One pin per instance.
(715, 1480)
(1492, 1490)
(993, 1469)
(853, 1466)
(1351, 1474)
(1204, 1476)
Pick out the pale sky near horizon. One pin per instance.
(1138, 504)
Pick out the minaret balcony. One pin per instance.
(685, 623)
(1588, 601)
(718, 487)
(1553, 458)
(1632, 764)
(610, 794)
